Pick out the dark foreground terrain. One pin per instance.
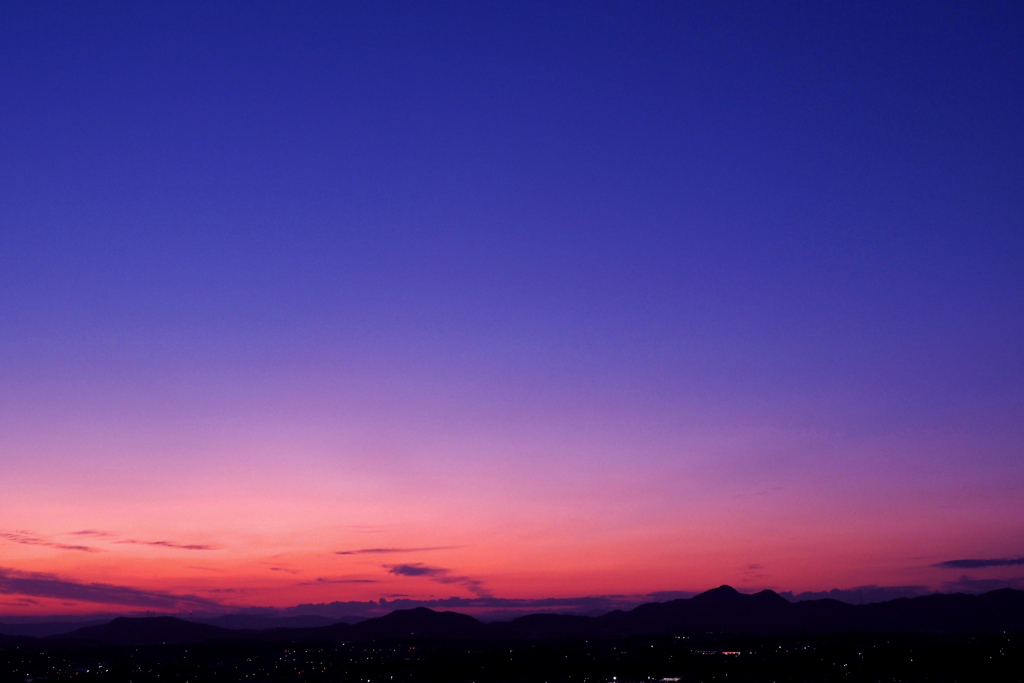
(904, 657)
(720, 636)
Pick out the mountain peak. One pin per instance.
(769, 595)
(723, 591)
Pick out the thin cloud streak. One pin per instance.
(440, 575)
(385, 551)
(167, 544)
(979, 564)
(969, 584)
(25, 538)
(40, 585)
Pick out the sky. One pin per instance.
(312, 302)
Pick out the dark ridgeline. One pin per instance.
(148, 631)
(47, 628)
(259, 621)
(722, 610)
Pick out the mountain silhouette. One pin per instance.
(261, 622)
(151, 631)
(419, 622)
(721, 610)
(47, 628)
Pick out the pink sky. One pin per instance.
(266, 513)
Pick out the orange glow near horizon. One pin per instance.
(226, 542)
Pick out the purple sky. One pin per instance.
(543, 299)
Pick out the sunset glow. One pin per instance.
(318, 303)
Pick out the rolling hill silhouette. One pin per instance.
(150, 631)
(721, 610)
(47, 628)
(261, 622)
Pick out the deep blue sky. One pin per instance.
(585, 166)
(636, 226)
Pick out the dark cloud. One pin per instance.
(415, 570)
(385, 551)
(979, 564)
(324, 579)
(39, 585)
(284, 569)
(25, 538)
(440, 575)
(860, 595)
(665, 596)
(91, 532)
(168, 544)
(969, 584)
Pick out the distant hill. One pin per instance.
(151, 631)
(7, 640)
(767, 613)
(722, 610)
(47, 628)
(260, 622)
